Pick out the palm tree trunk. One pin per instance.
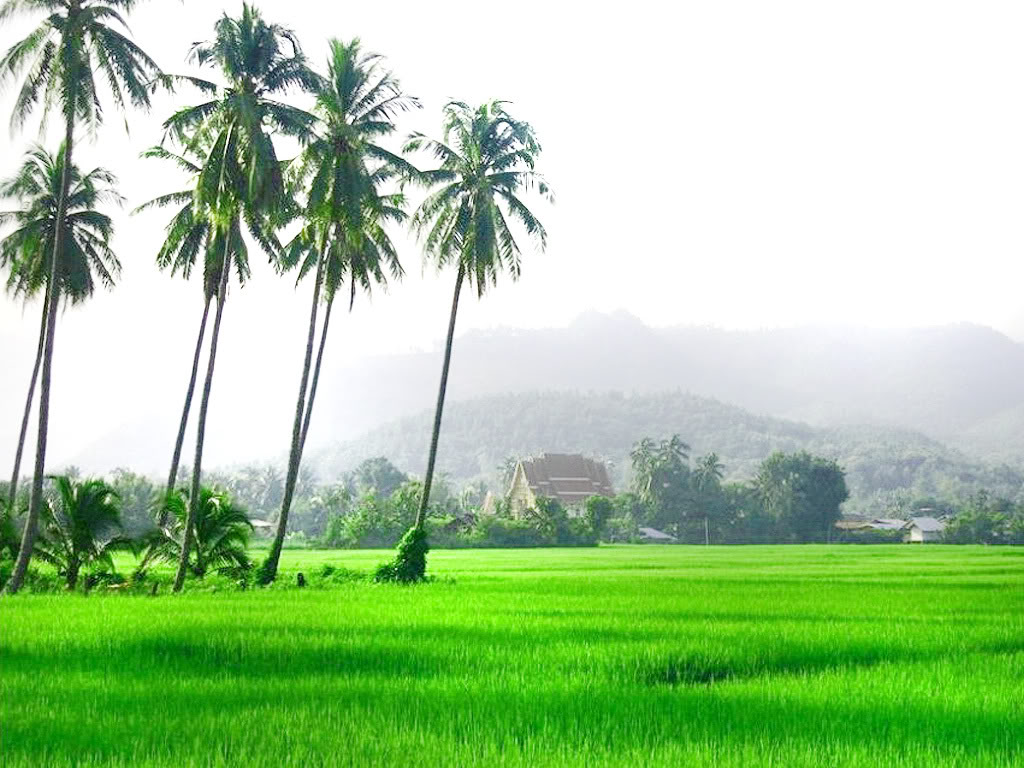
(197, 464)
(432, 458)
(28, 538)
(172, 476)
(316, 373)
(12, 491)
(269, 570)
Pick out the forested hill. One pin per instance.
(884, 465)
(958, 384)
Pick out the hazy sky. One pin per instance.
(740, 164)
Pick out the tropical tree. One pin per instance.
(487, 161)
(661, 478)
(243, 176)
(707, 482)
(81, 527)
(344, 218)
(76, 43)
(191, 234)
(219, 535)
(86, 256)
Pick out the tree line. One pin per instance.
(344, 192)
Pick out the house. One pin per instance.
(567, 477)
(653, 534)
(925, 529)
(887, 524)
(263, 528)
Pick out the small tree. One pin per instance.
(599, 510)
(81, 528)
(219, 540)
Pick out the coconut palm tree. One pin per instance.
(343, 236)
(81, 527)
(707, 480)
(76, 43)
(86, 257)
(189, 234)
(220, 533)
(242, 176)
(487, 161)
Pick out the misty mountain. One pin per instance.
(885, 465)
(960, 384)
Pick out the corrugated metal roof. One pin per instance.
(927, 524)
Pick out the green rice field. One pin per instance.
(616, 656)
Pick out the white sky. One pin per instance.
(740, 164)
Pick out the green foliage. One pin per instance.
(76, 44)
(81, 528)
(86, 256)
(984, 519)
(598, 511)
(410, 563)
(220, 537)
(802, 494)
(378, 474)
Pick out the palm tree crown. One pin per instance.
(258, 62)
(343, 167)
(487, 161)
(77, 41)
(86, 256)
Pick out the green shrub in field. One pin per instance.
(80, 528)
(220, 538)
(410, 563)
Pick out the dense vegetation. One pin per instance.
(656, 656)
(888, 470)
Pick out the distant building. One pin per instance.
(263, 528)
(887, 524)
(653, 534)
(568, 477)
(925, 529)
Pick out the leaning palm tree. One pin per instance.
(242, 176)
(81, 529)
(77, 42)
(85, 259)
(487, 161)
(189, 235)
(343, 236)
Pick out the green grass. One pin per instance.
(618, 656)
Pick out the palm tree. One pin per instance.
(189, 234)
(707, 479)
(76, 41)
(85, 258)
(242, 176)
(220, 533)
(487, 160)
(82, 527)
(343, 235)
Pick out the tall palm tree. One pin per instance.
(190, 234)
(82, 527)
(85, 257)
(242, 176)
(76, 42)
(707, 479)
(343, 235)
(487, 161)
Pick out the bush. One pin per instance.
(410, 564)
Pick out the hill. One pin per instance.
(957, 384)
(885, 465)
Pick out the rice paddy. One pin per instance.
(639, 656)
